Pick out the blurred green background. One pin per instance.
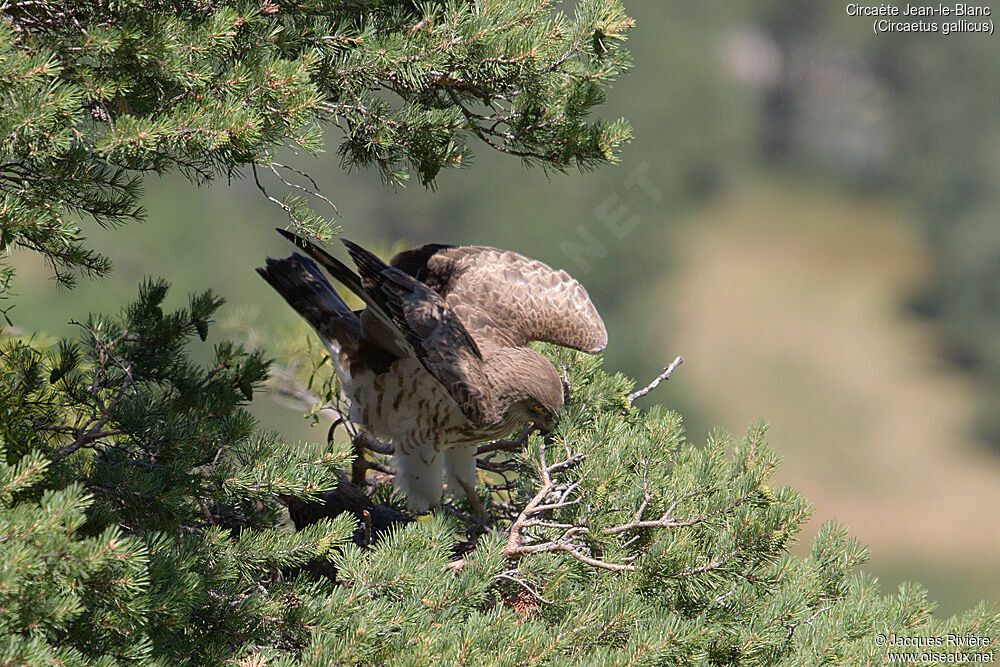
(808, 216)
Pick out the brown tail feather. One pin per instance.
(309, 293)
(340, 271)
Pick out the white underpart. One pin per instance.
(408, 407)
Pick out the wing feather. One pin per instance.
(529, 299)
(434, 332)
(376, 324)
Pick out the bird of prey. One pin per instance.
(438, 361)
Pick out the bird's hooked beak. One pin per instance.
(545, 426)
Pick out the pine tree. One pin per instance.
(97, 94)
(139, 498)
(147, 519)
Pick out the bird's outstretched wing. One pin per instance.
(422, 323)
(376, 325)
(527, 298)
(343, 273)
(309, 293)
(433, 331)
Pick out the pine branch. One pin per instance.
(528, 517)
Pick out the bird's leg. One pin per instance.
(418, 478)
(359, 468)
(460, 471)
(470, 493)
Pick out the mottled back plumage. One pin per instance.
(438, 361)
(533, 300)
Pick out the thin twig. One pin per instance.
(716, 563)
(95, 432)
(381, 467)
(260, 186)
(486, 464)
(315, 192)
(808, 621)
(665, 375)
(289, 390)
(508, 445)
(523, 584)
(208, 514)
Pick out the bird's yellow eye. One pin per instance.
(537, 408)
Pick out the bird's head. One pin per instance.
(539, 393)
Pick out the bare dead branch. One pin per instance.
(715, 563)
(94, 430)
(273, 166)
(665, 375)
(528, 518)
(509, 576)
(368, 526)
(291, 393)
(551, 495)
(514, 445)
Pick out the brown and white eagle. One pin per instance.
(438, 360)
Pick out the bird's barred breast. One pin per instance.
(407, 405)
